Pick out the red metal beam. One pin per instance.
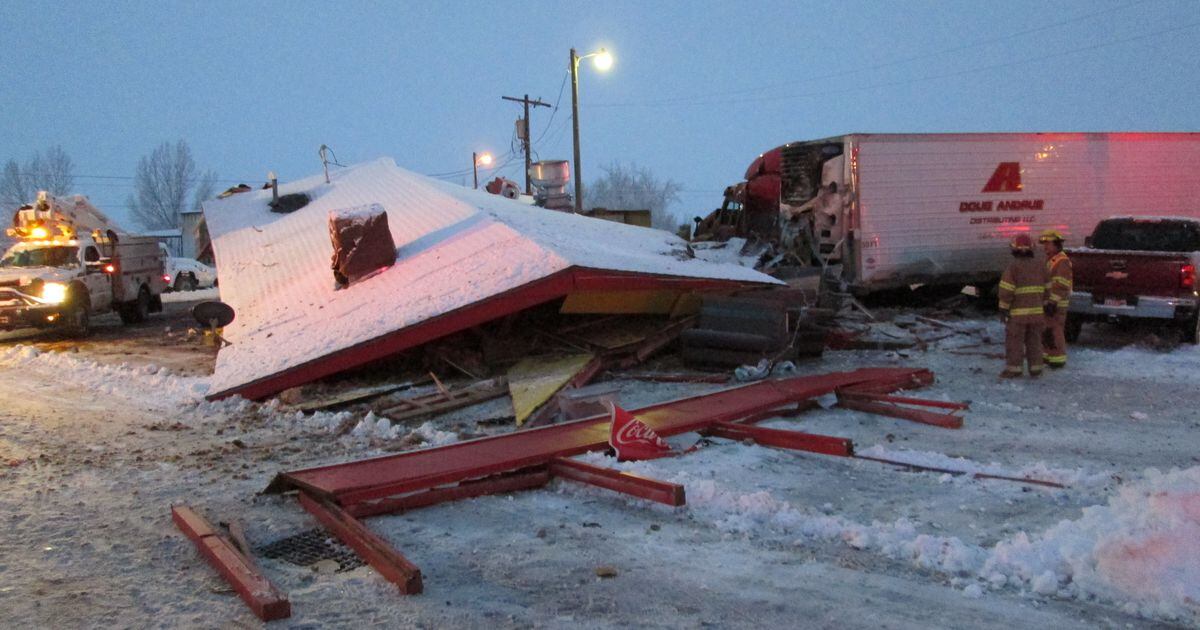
(267, 602)
(366, 480)
(885, 406)
(513, 482)
(643, 487)
(354, 482)
(560, 284)
(901, 400)
(390, 563)
(783, 438)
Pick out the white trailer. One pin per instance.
(903, 209)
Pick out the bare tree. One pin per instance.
(13, 192)
(53, 172)
(163, 184)
(206, 188)
(632, 187)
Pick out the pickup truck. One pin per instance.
(1138, 267)
(186, 274)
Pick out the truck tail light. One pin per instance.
(1187, 277)
(166, 278)
(110, 268)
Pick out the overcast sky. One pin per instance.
(697, 91)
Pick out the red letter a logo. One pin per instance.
(1007, 178)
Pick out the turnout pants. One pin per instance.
(1023, 342)
(1054, 340)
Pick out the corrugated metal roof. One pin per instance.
(456, 247)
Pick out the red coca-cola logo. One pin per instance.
(637, 431)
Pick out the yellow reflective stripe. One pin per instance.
(1055, 358)
(1007, 285)
(1027, 311)
(1030, 289)
(1061, 301)
(1061, 280)
(1004, 306)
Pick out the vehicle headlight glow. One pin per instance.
(54, 292)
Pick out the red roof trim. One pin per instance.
(526, 296)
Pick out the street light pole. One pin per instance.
(575, 130)
(475, 168)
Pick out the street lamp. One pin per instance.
(603, 61)
(477, 160)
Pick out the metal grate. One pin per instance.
(310, 547)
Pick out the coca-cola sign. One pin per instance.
(632, 439)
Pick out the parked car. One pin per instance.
(187, 274)
(1138, 267)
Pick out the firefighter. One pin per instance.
(1023, 294)
(1058, 298)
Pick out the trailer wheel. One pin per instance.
(1073, 328)
(136, 312)
(1191, 328)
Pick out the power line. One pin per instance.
(707, 100)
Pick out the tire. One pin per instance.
(186, 282)
(1072, 329)
(78, 321)
(1191, 329)
(136, 312)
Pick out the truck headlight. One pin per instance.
(54, 292)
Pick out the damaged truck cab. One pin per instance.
(889, 211)
(69, 264)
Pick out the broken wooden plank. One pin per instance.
(264, 600)
(627, 483)
(437, 403)
(498, 484)
(344, 398)
(675, 377)
(382, 557)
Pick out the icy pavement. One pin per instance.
(94, 454)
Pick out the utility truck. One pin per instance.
(892, 210)
(70, 262)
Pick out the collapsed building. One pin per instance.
(461, 258)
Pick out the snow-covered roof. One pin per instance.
(456, 247)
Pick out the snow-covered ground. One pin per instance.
(92, 454)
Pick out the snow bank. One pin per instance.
(1141, 550)
(151, 385)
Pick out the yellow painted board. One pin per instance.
(533, 381)
(620, 302)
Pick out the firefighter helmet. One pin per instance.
(1021, 243)
(1050, 235)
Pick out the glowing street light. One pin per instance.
(477, 160)
(602, 60)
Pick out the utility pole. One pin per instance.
(536, 103)
(575, 130)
